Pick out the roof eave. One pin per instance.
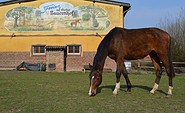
(14, 2)
(112, 2)
(126, 6)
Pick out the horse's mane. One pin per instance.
(102, 51)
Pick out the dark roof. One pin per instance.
(8, 2)
(126, 6)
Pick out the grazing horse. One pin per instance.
(130, 44)
(75, 23)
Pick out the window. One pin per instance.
(74, 49)
(38, 50)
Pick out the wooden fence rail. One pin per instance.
(179, 67)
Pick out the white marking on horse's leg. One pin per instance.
(170, 90)
(90, 91)
(154, 88)
(117, 87)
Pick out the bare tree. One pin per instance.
(176, 28)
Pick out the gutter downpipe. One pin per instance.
(124, 13)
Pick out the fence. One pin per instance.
(146, 65)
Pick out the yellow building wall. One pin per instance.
(17, 44)
(19, 41)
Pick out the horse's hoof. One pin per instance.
(114, 93)
(168, 95)
(151, 93)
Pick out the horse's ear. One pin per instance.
(90, 66)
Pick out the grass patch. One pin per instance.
(90, 28)
(42, 92)
(31, 28)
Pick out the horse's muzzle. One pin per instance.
(92, 94)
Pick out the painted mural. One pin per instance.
(53, 16)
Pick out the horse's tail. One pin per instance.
(172, 73)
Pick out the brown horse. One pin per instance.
(75, 23)
(130, 44)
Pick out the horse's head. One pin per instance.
(95, 80)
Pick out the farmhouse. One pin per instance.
(63, 34)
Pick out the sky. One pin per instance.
(149, 13)
(1, 0)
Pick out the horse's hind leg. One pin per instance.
(167, 62)
(158, 69)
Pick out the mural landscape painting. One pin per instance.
(53, 16)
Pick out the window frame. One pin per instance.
(74, 49)
(38, 53)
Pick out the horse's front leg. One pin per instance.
(117, 87)
(121, 69)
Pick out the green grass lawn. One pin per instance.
(42, 92)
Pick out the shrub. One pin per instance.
(86, 17)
